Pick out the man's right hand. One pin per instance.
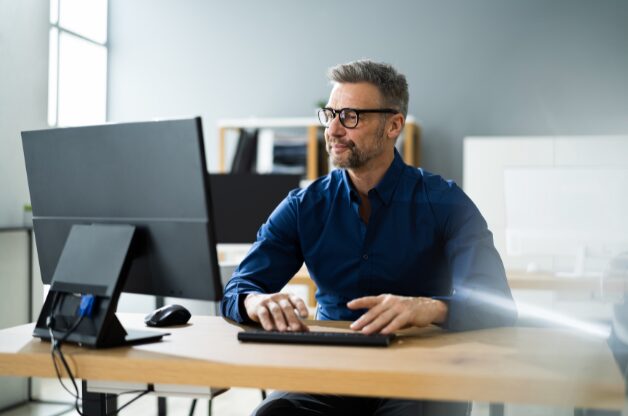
(277, 311)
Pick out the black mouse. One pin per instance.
(168, 315)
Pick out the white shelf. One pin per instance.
(278, 122)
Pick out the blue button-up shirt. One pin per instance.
(424, 237)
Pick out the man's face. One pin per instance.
(355, 148)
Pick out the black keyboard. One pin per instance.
(317, 338)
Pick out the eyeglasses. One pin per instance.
(349, 117)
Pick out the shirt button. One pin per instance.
(365, 256)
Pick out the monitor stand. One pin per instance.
(95, 261)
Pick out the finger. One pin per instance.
(304, 327)
(300, 306)
(380, 322)
(293, 321)
(277, 315)
(363, 302)
(368, 317)
(400, 322)
(264, 318)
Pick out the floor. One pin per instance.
(235, 402)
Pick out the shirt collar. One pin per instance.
(385, 188)
(352, 194)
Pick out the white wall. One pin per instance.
(23, 95)
(485, 161)
(481, 67)
(487, 158)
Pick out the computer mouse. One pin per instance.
(168, 315)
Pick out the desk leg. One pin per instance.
(496, 409)
(98, 404)
(162, 407)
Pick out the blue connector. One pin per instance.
(87, 303)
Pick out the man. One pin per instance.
(388, 245)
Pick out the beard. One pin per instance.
(357, 158)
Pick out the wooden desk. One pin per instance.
(525, 365)
(547, 281)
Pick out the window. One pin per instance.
(77, 83)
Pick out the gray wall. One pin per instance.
(23, 95)
(23, 105)
(481, 67)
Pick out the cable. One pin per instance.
(54, 362)
(50, 323)
(56, 347)
(145, 392)
(85, 309)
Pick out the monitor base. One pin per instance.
(133, 337)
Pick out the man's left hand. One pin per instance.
(389, 313)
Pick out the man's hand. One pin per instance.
(277, 311)
(389, 313)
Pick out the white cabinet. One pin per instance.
(15, 295)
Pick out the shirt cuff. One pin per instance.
(468, 312)
(243, 317)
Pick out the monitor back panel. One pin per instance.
(243, 202)
(151, 175)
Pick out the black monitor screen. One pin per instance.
(150, 175)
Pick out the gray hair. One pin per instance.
(391, 84)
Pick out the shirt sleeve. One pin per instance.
(480, 295)
(272, 261)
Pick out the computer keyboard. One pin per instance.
(317, 338)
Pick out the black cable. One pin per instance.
(145, 392)
(54, 362)
(50, 323)
(77, 396)
(56, 347)
(135, 391)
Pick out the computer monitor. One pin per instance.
(243, 202)
(120, 207)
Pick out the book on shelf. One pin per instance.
(245, 157)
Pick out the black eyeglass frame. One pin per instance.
(355, 110)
